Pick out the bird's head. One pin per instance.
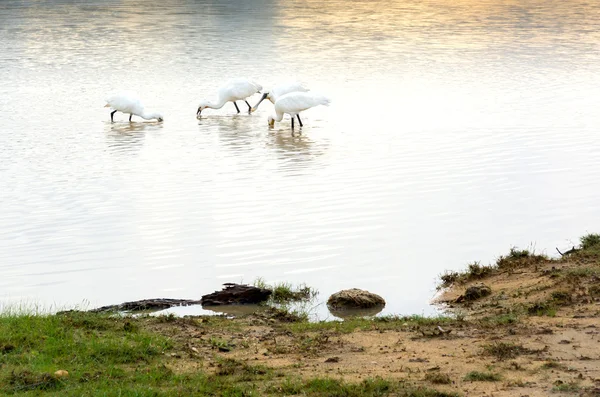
(201, 106)
(266, 95)
(158, 116)
(271, 121)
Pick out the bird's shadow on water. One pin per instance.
(127, 136)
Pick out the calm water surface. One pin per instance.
(457, 129)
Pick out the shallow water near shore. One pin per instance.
(456, 130)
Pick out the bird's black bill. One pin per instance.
(198, 112)
(261, 99)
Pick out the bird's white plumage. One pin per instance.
(238, 89)
(295, 102)
(234, 90)
(129, 102)
(280, 90)
(285, 88)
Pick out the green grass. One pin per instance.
(475, 376)
(109, 355)
(377, 324)
(590, 241)
(516, 258)
(566, 388)
(367, 388)
(286, 292)
(542, 309)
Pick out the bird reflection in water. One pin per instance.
(127, 136)
(296, 148)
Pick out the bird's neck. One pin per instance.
(218, 104)
(147, 115)
(278, 116)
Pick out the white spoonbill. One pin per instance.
(127, 102)
(294, 103)
(234, 90)
(281, 89)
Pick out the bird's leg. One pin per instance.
(300, 121)
(249, 107)
(292, 122)
(130, 115)
(111, 116)
(236, 107)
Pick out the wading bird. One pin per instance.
(294, 103)
(129, 103)
(281, 89)
(234, 90)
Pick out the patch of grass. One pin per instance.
(230, 366)
(448, 278)
(566, 388)
(367, 388)
(377, 324)
(519, 258)
(590, 241)
(109, 355)
(581, 272)
(476, 376)
(22, 380)
(553, 365)
(286, 292)
(438, 378)
(561, 297)
(314, 344)
(505, 351)
(542, 309)
(220, 344)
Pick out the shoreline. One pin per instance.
(526, 325)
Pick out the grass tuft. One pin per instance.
(475, 376)
(438, 378)
(505, 351)
(286, 292)
(589, 241)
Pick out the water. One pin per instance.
(457, 129)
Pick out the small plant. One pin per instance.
(438, 378)
(553, 365)
(449, 278)
(590, 241)
(542, 309)
(566, 388)
(475, 270)
(501, 319)
(561, 297)
(286, 292)
(505, 351)
(220, 344)
(476, 376)
(518, 258)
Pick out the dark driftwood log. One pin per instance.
(147, 304)
(236, 294)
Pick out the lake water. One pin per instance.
(457, 128)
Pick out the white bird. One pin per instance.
(127, 102)
(294, 103)
(281, 89)
(234, 90)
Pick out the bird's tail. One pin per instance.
(323, 100)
